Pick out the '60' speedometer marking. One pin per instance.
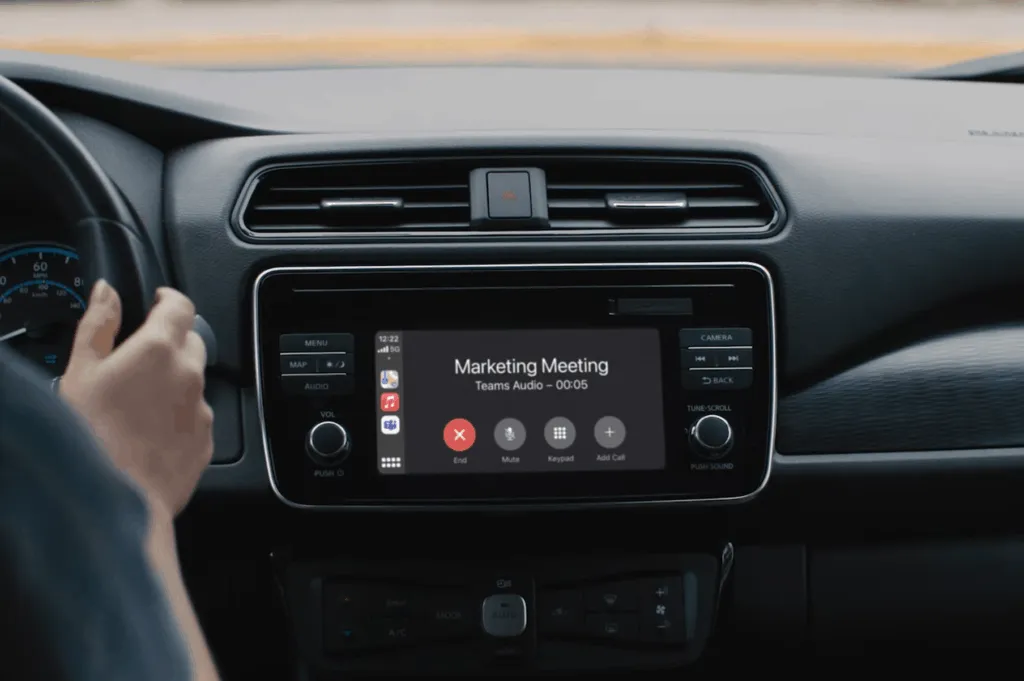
(41, 301)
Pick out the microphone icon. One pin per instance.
(510, 433)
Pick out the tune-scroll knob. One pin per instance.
(711, 436)
(328, 443)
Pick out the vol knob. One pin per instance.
(711, 436)
(328, 443)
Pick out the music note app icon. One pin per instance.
(389, 402)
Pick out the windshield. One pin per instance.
(800, 35)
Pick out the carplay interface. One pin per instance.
(519, 401)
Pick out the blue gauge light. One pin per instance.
(42, 297)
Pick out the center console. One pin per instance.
(526, 386)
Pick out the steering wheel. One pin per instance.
(110, 240)
(71, 532)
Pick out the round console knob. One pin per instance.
(328, 443)
(711, 436)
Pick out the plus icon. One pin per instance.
(610, 433)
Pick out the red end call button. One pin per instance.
(459, 435)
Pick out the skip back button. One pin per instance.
(717, 379)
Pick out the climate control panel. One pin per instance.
(534, 615)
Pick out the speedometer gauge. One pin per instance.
(42, 298)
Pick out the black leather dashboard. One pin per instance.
(898, 271)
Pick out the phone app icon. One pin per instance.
(389, 402)
(390, 425)
(389, 379)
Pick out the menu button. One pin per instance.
(317, 342)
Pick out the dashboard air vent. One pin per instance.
(623, 193)
(370, 196)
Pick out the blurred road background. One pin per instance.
(850, 35)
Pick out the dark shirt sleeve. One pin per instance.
(78, 599)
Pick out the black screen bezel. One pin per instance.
(316, 300)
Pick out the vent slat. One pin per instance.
(392, 188)
(288, 206)
(726, 202)
(642, 187)
(577, 204)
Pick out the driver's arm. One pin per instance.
(144, 401)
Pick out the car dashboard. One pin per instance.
(567, 370)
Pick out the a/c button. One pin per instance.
(314, 386)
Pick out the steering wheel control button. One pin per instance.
(711, 436)
(328, 442)
(504, 615)
(317, 342)
(298, 364)
(560, 433)
(715, 338)
(610, 432)
(508, 195)
(317, 385)
(510, 434)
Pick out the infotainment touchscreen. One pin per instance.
(508, 384)
(519, 401)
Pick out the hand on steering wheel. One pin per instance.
(148, 392)
(144, 398)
